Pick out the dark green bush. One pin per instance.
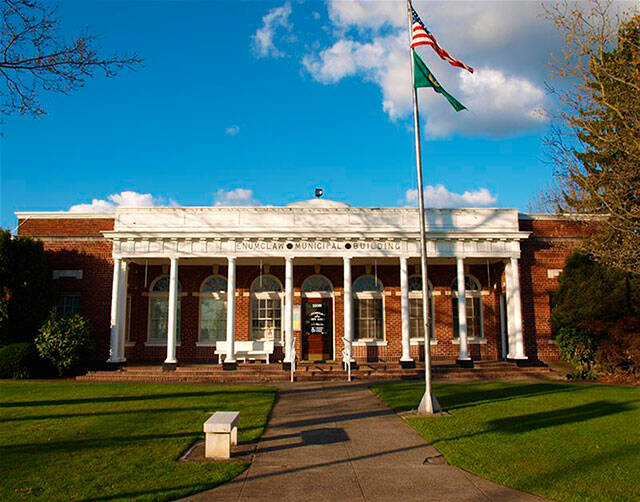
(589, 291)
(20, 360)
(26, 292)
(578, 347)
(66, 342)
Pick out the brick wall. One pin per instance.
(551, 241)
(78, 244)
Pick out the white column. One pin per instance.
(231, 310)
(122, 309)
(172, 320)
(288, 309)
(404, 309)
(348, 305)
(115, 307)
(514, 310)
(462, 310)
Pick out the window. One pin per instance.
(473, 295)
(416, 327)
(69, 304)
(369, 308)
(266, 308)
(317, 284)
(213, 309)
(159, 310)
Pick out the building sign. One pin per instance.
(317, 245)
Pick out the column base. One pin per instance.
(409, 364)
(467, 362)
(520, 361)
(229, 365)
(169, 366)
(115, 365)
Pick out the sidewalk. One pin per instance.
(338, 442)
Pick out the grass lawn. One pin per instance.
(562, 441)
(115, 441)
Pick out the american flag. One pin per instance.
(421, 36)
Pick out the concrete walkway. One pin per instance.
(338, 442)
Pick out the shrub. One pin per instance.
(618, 355)
(589, 291)
(65, 341)
(578, 346)
(20, 360)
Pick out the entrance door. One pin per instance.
(317, 329)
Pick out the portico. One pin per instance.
(278, 273)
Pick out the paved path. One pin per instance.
(338, 442)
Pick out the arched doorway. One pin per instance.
(317, 318)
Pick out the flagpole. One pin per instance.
(429, 404)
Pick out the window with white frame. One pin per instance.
(266, 308)
(69, 304)
(213, 309)
(416, 326)
(473, 297)
(368, 300)
(159, 310)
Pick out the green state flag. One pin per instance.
(422, 77)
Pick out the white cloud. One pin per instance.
(235, 197)
(504, 95)
(232, 130)
(440, 196)
(113, 201)
(498, 105)
(273, 21)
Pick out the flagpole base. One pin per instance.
(428, 405)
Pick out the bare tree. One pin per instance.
(596, 146)
(34, 58)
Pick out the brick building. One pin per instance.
(173, 284)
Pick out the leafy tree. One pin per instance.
(25, 288)
(35, 58)
(590, 291)
(65, 341)
(596, 147)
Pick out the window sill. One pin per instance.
(130, 344)
(421, 342)
(158, 344)
(206, 344)
(481, 341)
(369, 343)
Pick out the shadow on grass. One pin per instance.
(175, 491)
(454, 399)
(145, 397)
(588, 464)
(575, 414)
(526, 423)
(84, 444)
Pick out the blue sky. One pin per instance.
(260, 102)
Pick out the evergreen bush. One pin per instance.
(65, 341)
(20, 360)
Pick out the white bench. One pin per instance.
(220, 433)
(253, 349)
